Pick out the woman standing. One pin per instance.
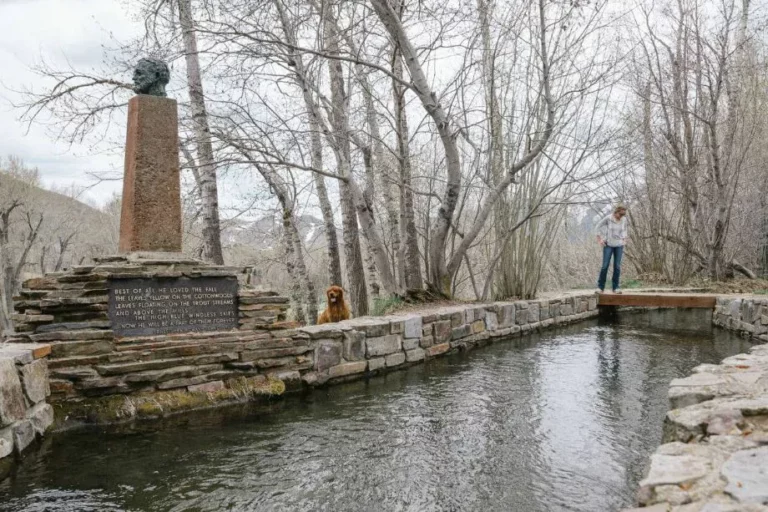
(612, 236)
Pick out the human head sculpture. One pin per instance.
(150, 77)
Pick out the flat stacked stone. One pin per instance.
(24, 413)
(715, 455)
(262, 310)
(747, 315)
(78, 299)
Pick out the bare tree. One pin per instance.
(19, 229)
(700, 123)
(207, 171)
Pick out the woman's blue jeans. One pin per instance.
(616, 253)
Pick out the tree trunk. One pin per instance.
(208, 187)
(303, 292)
(370, 263)
(391, 183)
(357, 291)
(302, 275)
(410, 249)
(494, 119)
(316, 128)
(290, 267)
(43, 255)
(6, 293)
(331, 239)
(6, 270)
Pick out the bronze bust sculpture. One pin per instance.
(150, 77)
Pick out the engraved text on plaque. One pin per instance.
(147, 306)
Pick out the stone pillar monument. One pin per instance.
(150, 220)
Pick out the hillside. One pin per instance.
(70, 231)
(265, 232)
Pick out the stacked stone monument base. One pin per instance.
(24, 414)
(96, 351)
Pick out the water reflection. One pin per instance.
(561, 421)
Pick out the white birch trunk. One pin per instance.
(408, 257)
(331, 239)
(355, 270)
(208, 187)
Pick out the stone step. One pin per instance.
(158, 364)
(81, 348)
(271, 353)
(74, 326)
(186, 350)
(245, 299)
(185, 337)
(24, 353)
(171, 373)
(180, 348)
(81, 335)
(234, 341)
(72, 361)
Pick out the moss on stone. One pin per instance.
(275, 387)
(93, 410)
(148, 408)
(121, 408)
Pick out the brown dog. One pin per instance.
(337, 309)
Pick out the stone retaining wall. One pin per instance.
(88, 360)
(24, 413)
(715, 455)
(747, 315)
(370, 345)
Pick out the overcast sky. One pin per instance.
(74, 30)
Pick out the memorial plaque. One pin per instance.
(148, 306)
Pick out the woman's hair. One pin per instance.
(619, 206)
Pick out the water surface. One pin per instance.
(560, 421)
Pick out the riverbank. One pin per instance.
(714, 454)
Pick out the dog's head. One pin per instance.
(335, 295)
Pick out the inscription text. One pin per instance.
(139, 307)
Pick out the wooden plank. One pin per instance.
(656, 300)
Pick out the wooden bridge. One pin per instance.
(658, 300)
